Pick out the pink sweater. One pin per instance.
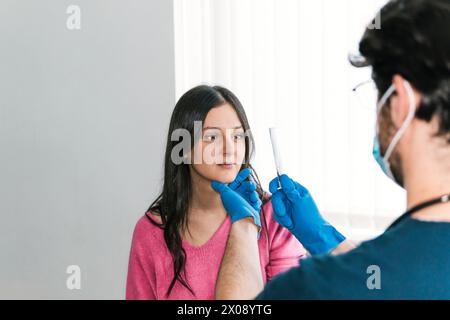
(150, 266)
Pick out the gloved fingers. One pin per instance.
(288, 187)
(273, 185)
(219, 186)
(253, 197)
(278, 203)
(286, 183)
(301, 189)
(247, 186)
(279, 210)
(284, 221)
(257, 205)
(249, 193)
(242, 175)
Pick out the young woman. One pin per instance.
(178, 245)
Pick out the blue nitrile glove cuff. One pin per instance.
(328, 238)
(256, 221)
(244, 214)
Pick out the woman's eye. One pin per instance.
(239, 136)
(210, 137)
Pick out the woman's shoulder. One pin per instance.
(148, 231)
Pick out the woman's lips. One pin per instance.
(227, 165)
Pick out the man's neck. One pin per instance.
(424, 182)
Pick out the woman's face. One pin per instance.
(220, 152)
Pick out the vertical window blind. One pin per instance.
(286, 60)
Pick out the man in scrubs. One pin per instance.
(410, 60)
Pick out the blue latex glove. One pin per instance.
(295, 209)
(246, 189)
(239, 198)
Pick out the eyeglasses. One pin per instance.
(366, 94)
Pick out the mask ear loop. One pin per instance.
(384, 99)
(380, 105)
(409, 118)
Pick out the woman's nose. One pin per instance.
(229, 147)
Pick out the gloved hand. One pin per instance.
(246, 189)
(239, 198)
(295, 209)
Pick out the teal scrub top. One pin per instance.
(409, 261)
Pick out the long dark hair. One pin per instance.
(173, 203)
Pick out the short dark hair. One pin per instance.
(414, 42)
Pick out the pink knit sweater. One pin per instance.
(150, 266)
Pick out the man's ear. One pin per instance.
(400, 101)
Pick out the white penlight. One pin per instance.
(276, 152)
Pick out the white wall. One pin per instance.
(83, 119)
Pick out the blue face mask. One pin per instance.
(383, 161)
(379, 158)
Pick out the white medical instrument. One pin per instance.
(276, 152)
